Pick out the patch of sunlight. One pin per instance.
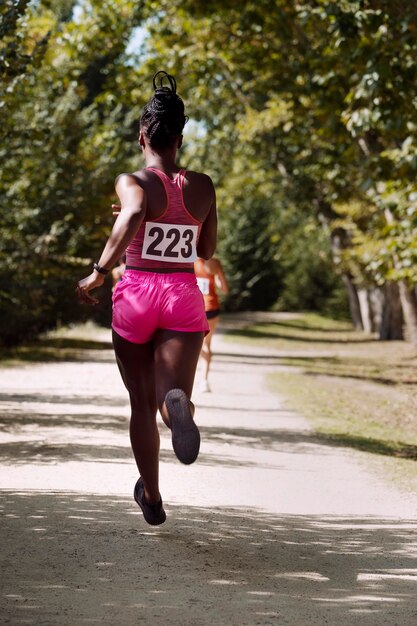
(370, 526)
(213, 538)
(352, 599)
(304, 575)
(76, 509)
(260, 593)
(223, 582)
(405, 574)
(51, 586)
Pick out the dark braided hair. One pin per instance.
(163, 118)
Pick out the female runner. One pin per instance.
(167, 219)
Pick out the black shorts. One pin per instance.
(212, 314)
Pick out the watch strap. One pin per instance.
(100, 270)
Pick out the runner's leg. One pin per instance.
(136, 365)
(206, 352)
(176, 357)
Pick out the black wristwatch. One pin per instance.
(100, 270)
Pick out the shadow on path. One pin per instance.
(258, 333)
(41, 448)
(73, 559)
(57, 349)
(60, 398)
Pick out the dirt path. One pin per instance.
(270, 526)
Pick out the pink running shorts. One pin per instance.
(144, 302)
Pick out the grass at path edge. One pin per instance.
(356, 391)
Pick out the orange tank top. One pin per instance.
(169, 241)
(207, 286)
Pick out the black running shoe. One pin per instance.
(154, 514)
(185, 434)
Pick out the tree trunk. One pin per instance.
(339, 239)
(408, 296)
(354, 306)
(376, 302)
(409, 305)
(365, 308)
(392, 314)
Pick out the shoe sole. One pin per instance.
(185, 434)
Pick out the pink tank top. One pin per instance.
(169, 241)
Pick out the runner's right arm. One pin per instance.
(133, 209)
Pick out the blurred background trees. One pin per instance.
(68, 112)
(303, 113)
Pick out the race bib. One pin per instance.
(175, 243)
(204, 285)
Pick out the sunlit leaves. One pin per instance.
(69, 129)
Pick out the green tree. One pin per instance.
(299, 109)
(323, 93)
(69, 127)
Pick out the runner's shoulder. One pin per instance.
(199, 178)
(128, 179)
(212, 265)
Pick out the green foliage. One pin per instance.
(248, 253)
(16, 53)
(68, 129)
(300, 109)
(321, 95)
(309, 280)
